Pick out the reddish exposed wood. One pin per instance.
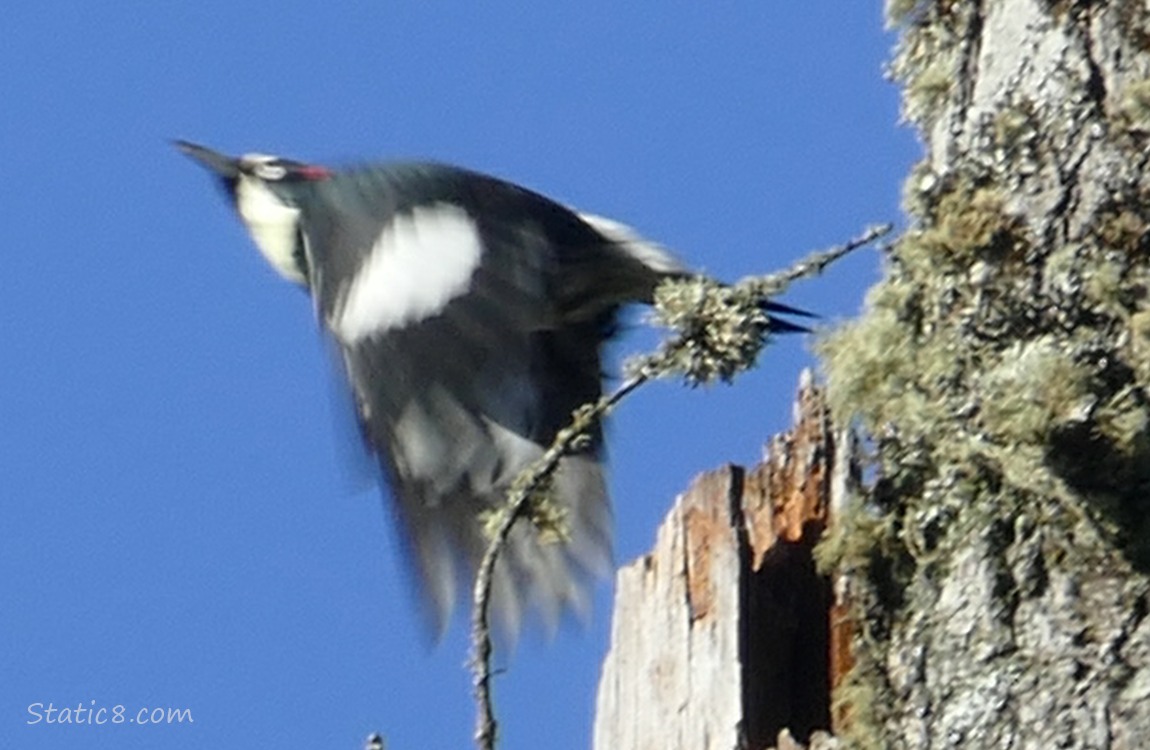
(722, 634)
(708, 525)
(845, 480)
(842, 658)
(787, 496)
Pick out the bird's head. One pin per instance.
(259, 187)
(229, 170)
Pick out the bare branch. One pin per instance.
(812, 265)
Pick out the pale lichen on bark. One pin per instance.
(1000, 557)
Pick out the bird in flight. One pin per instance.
(470, 315)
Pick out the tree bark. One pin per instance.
(997, 560)
(998, 563)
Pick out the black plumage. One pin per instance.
(460, 389)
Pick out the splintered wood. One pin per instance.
(720, 636)
(786, 496)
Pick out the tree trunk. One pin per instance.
(998, 562)
(997, 559)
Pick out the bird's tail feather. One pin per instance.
(776, 324)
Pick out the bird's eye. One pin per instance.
(270, 171)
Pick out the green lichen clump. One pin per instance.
(997, 377)
(1123, 229)
(901, 361)
(969, 350)
(1001, 370)
(1134, 110)
(1029, 389)
(720, 330)
(969, 222)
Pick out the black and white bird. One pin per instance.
(470, 314)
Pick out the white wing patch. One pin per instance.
(421, 261)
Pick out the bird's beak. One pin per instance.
(222, 166)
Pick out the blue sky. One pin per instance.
(179, 529)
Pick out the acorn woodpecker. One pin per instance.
(469, 314)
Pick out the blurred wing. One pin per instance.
(463, 370)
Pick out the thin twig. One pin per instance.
(517, 499)
(662, 362)
(813, 264)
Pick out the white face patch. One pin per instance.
(421, 261)
(272, 225)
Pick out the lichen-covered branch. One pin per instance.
(718, 332)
